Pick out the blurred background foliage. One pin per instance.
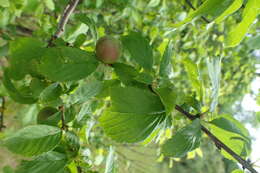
(197, 41)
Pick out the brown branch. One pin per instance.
(2, 109)
(63, 123)
(218, 143)
(64, 20)
(191, 6)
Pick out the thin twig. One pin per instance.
(191, 6)
(2, 109)
(218, 143)
(64, 20)
(63, 123)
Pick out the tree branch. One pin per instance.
(191, 6)
(64, 20)
(2, 109)
(218, 143)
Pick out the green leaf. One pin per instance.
(8, 169)
(184, 141)
(154, 3)
(72, 143)
(86, 90)
(67, 64)
(225, 133)
(48, 162)
(23, 53)
(126, 73)
(254, 42)
(236, 35)
(168, 97)
(144, 78)
(33, 140)
(135, 100)
(90, 23)
(52, 92)
(230, 10)
(110, 163)
(214, 70)
(166, 70)
(194, 76)
(14, 93)
(228, 123)
(129, 127)
(213, 8)
(133, 116)
(139, 49)
(237, 171)
(49, 4)
(4, 3)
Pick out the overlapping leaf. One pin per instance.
(139, 49)
(67, 64)
(134, 114)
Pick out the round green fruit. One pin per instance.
(108, 49)
(45, 113)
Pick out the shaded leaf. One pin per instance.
(139, 48)
(14, 93)
(168, 97)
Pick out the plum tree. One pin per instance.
(108, 49)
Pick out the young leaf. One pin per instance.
(33, 140)
(184, 141)
(214, 69)
(213, 8)
(126, 73)
(139, 48)
(236, 35)
(48, 162)
(166, 70)
(67, 64)
(194, 76)
(230, 10)
(168, 97)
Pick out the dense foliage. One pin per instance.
(170, 72)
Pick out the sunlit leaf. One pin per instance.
(33, 140)
(184, 141)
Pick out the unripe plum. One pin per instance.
(108, 49)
